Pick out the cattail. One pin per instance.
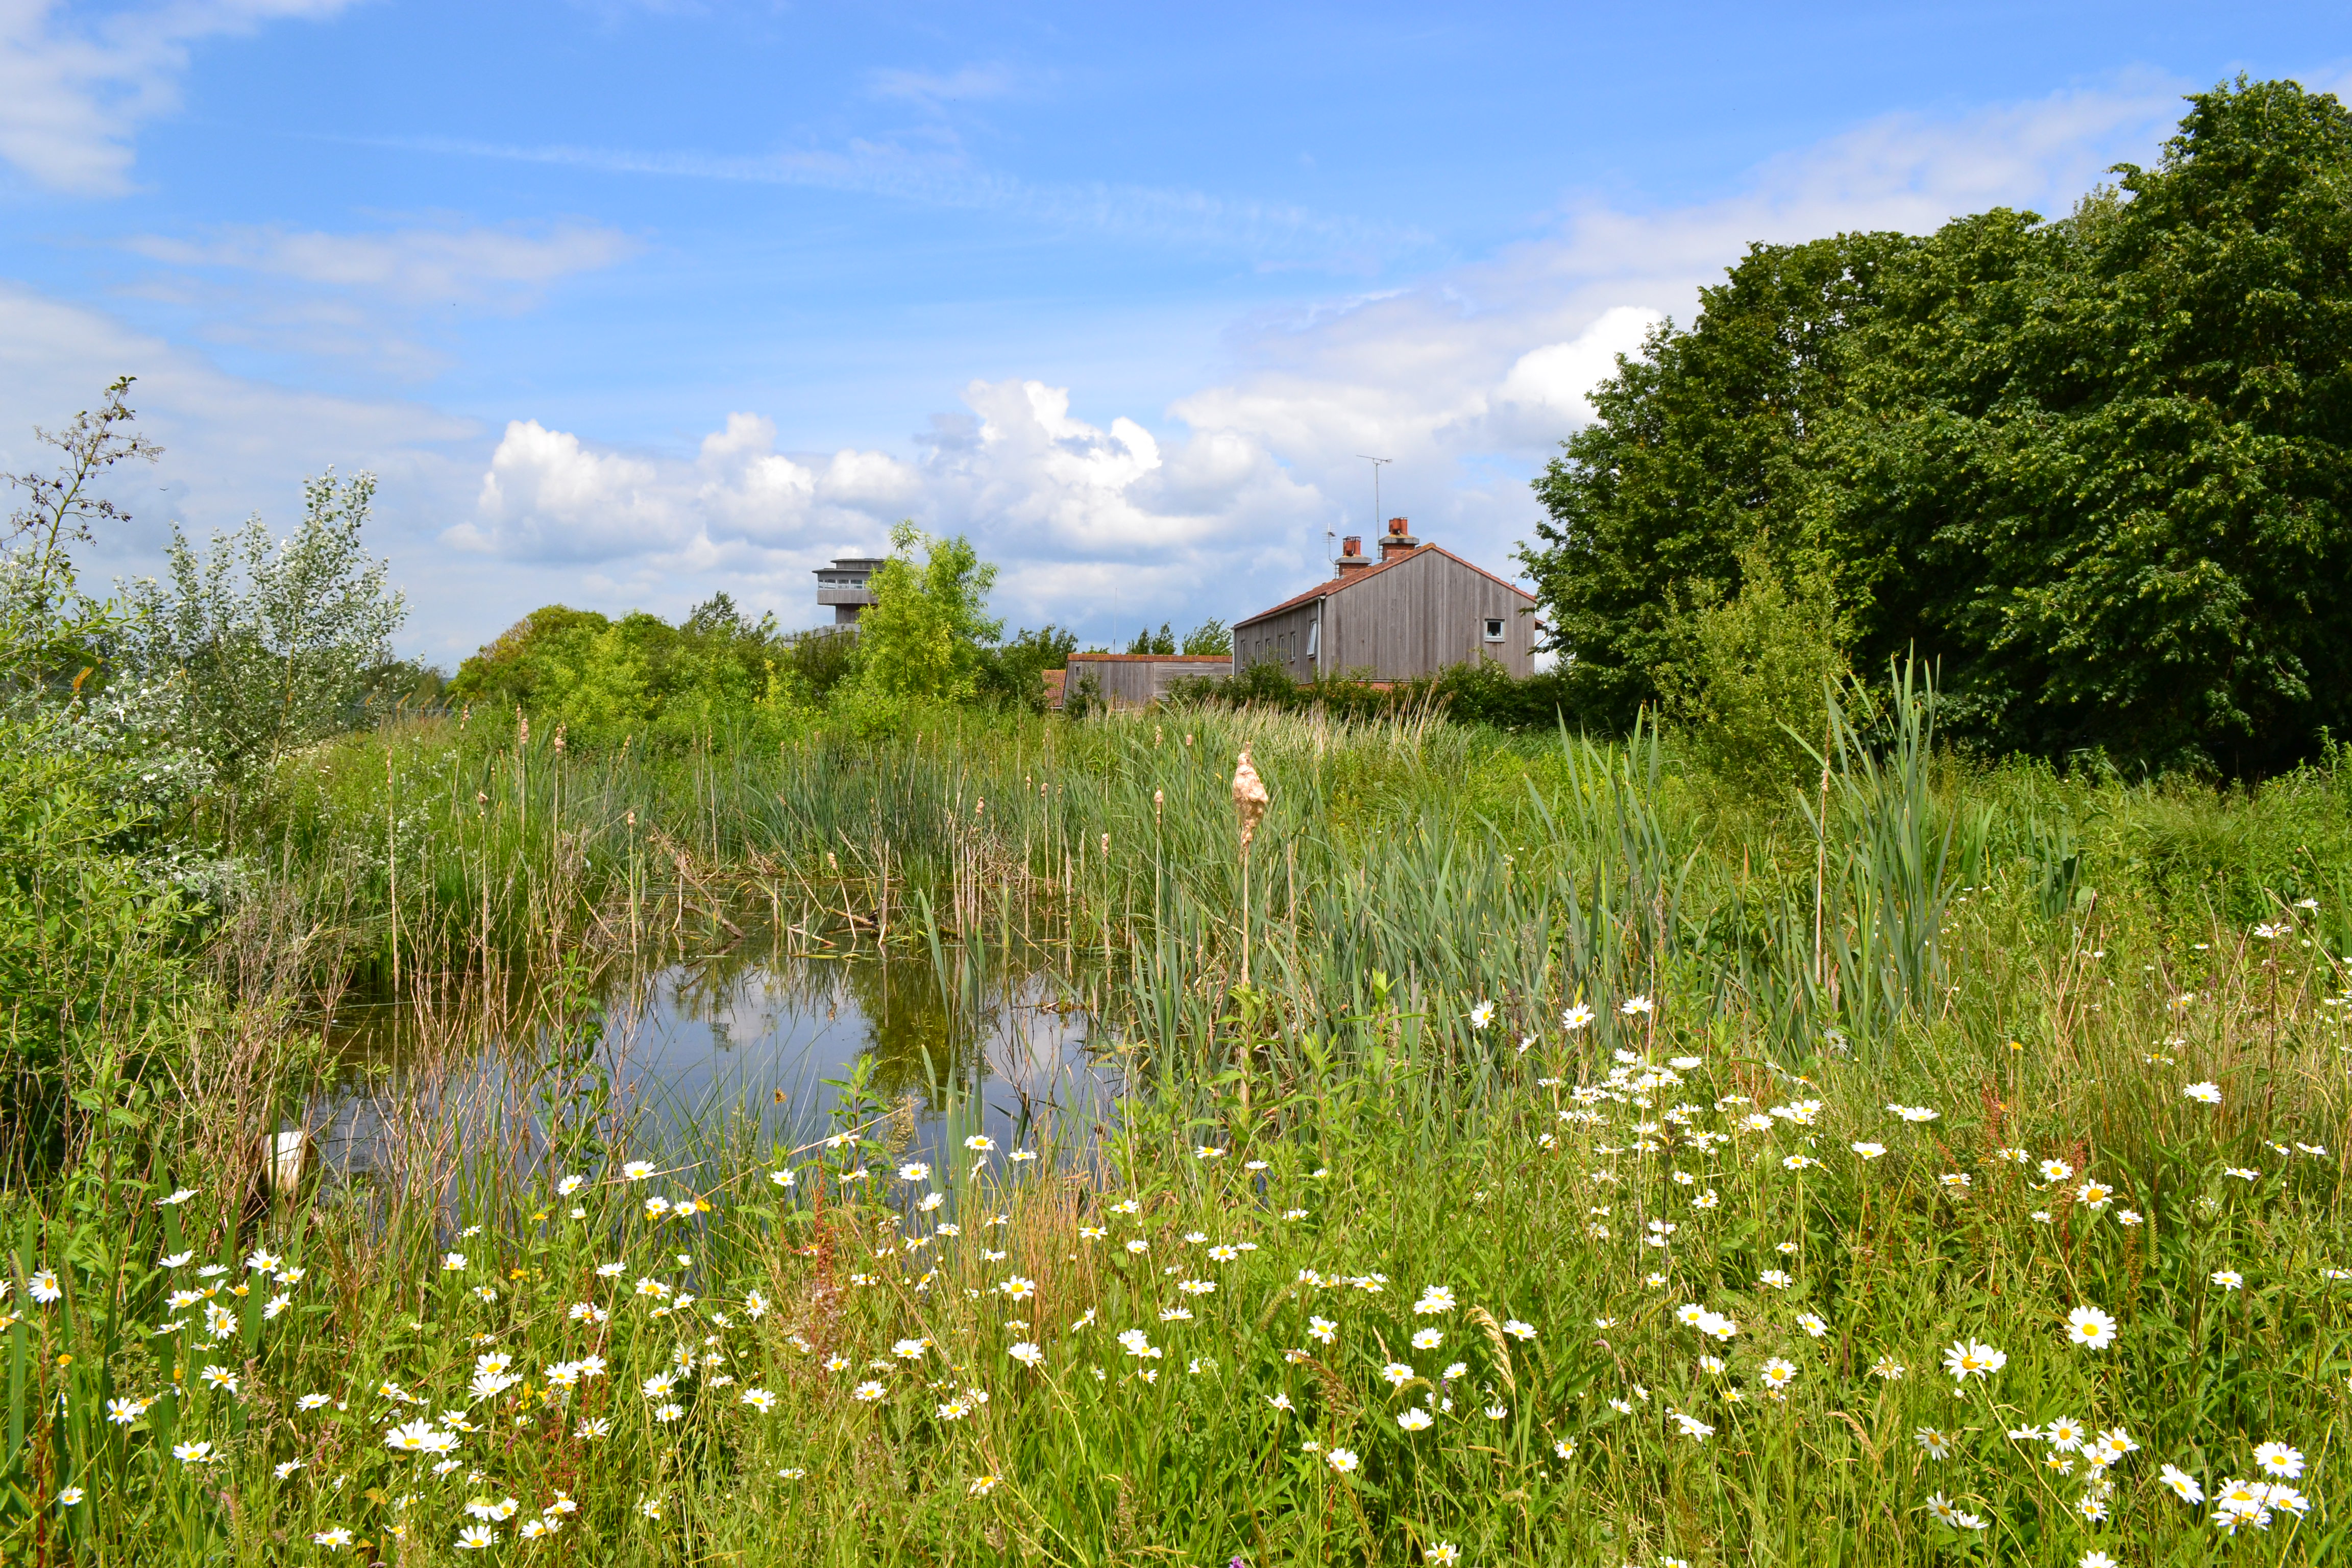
(522, 727)
(979, 808)
(632, 821)
(1250, 798)
(1106, 846)
(465, 716)
(559, 737)
(1157, 800)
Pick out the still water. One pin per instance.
(693, 1045)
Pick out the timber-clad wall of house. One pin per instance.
(1420, 611)
(1425, 613)
(1280, 639)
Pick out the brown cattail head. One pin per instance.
(559, 737)
(1249, 797)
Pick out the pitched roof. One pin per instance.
(1335, 585)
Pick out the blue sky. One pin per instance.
(628, 302)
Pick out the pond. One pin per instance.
(693, 1045)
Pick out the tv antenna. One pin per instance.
(1377, 463)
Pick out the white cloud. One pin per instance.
(1470, 377)
(381, 297)
(413, 266)
(1216, 505)
(1467, 379)
(1058, 502)
(1551, 383)
(928, 168)
(74, 92)
(933, 89)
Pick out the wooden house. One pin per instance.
(1417, 611)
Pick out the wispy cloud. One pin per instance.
(936, 90)
(381, 297)
(74, 91)
(1142, 214)
(409, 264)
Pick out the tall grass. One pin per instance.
(1556, 1026)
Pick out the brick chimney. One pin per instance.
(1352, 558)
(1398, 542)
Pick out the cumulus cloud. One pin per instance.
(1550, 385)
(75, 90)
(1056, 499)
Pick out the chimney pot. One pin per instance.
(1352, 545)
(1397, 543)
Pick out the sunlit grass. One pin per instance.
(1552, 1194)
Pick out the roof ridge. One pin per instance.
(1335, 585)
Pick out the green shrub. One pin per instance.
(1751, 686)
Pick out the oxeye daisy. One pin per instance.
(2279, 1459)
(2090, 1328)
(1968, 1359)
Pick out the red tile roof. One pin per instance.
(1322, 589)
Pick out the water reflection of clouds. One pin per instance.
(697, 1045)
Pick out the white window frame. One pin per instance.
(1496, 626)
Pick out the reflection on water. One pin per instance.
(697, 1044)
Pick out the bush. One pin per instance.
(603, 680)
(273, 642)
(1751, 687)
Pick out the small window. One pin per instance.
(1313, 635)
(1494, 628)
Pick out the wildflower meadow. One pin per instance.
(1592, 1168)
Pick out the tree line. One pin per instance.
(2092, 470)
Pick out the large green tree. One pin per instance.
(1698, 452)
(2095, 468)
(927, 634)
